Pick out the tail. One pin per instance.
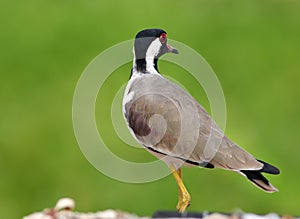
(259, 180)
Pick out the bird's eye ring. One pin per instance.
(163, 38)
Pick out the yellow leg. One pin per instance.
(180, 176)
(184, 197)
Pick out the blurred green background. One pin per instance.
(253, 46)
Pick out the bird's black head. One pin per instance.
(149, 45)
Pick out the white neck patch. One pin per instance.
(151, 52)
(153, 49)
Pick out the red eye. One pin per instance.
(163, 38)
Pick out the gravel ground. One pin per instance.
(64, 210)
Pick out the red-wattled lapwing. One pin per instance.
(170, 123)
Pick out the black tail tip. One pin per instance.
(268, 168)
(259, 180)
(256, 177)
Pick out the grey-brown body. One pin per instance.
(169, 120)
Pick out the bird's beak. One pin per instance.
(172, 49)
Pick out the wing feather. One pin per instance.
(168, 119)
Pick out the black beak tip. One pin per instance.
(172, 49)
(175, 51)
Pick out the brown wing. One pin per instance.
(166, 118)
(155, 121)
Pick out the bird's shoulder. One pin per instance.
(158, 110)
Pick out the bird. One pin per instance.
(173, 126)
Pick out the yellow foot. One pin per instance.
(183, 202)
(184, 197)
